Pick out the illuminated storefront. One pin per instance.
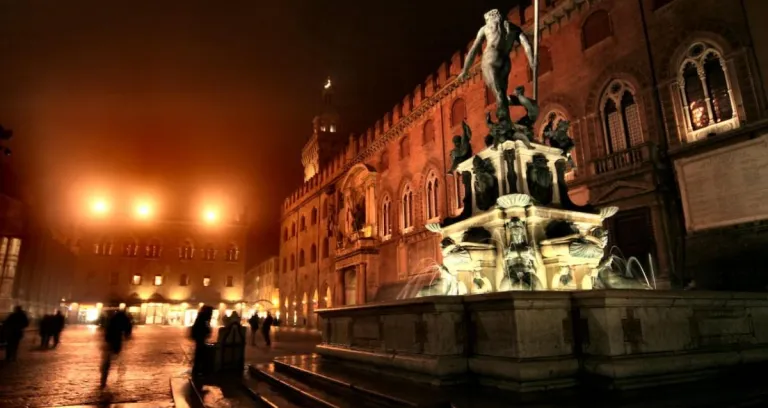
(154, 313)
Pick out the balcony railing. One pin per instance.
(632, 157)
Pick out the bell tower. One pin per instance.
(325, 134)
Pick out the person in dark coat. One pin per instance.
(13, 328)
(57, 325)
(117, 328)
(200, 332)
(254, 322)
(266, 327)
(45, 327)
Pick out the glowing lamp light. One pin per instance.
(100, 207)
(327, 84)
(143, 210)
(210, 216)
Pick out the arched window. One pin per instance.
(293, 229)
(458, 112)
(303, 224)
(313, 218)
(384, 160)
(313, 253)
(293, 262)
(386, 216)
(302, 259)
(187, 250)
(552, 120)
(407, 210)
(429, 132)
(405, 148)
(432, 195)
(209, 253)
(326, 247)
(153, 249)
(285, 264)
(130, 247)
(233, 253)
(596, 28)
(621, 117)
(103, 247)
(706, 93)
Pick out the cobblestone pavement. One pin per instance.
(69, 375)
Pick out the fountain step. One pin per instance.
(266, 394)
(296, 391)
(372, 387)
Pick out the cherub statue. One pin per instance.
(462, 148)
(506, 130)
(500, 37)
(518, 98)
(556, 135)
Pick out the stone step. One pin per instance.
(296, 391)
(265, 394)
(371, 387)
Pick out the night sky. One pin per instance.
(192, 101)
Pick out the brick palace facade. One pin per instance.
(643, 83)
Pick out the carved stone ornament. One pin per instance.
(486, 186)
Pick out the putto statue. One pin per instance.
(462, 149)
(500, 37)
(556, 135)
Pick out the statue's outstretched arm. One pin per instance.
(528, 49)
(473, 52)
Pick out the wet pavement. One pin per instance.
(69, 375)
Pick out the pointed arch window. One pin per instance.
(187, 251)
(433, 197)
(407, 210)
(293, 229)
(313, 253)
(458, 112)
(103, 247)
(706, 92)
(303, 224)
(302, 258)
(313, 218)
(233, 253)
(326, 247)
(153, 249)
(596, 28)
(429, 132)
(209, 252)
(130, 248)
(405, 148)
(621, 117)
(386, 217)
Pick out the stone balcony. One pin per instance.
(629, 159)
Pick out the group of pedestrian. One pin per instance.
(266, 327)
(51, 326)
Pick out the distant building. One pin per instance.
(36, 261)
(161, 271)
(261, 287)
(643, 84)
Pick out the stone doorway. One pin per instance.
(350, 286)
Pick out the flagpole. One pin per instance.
(536, 49)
